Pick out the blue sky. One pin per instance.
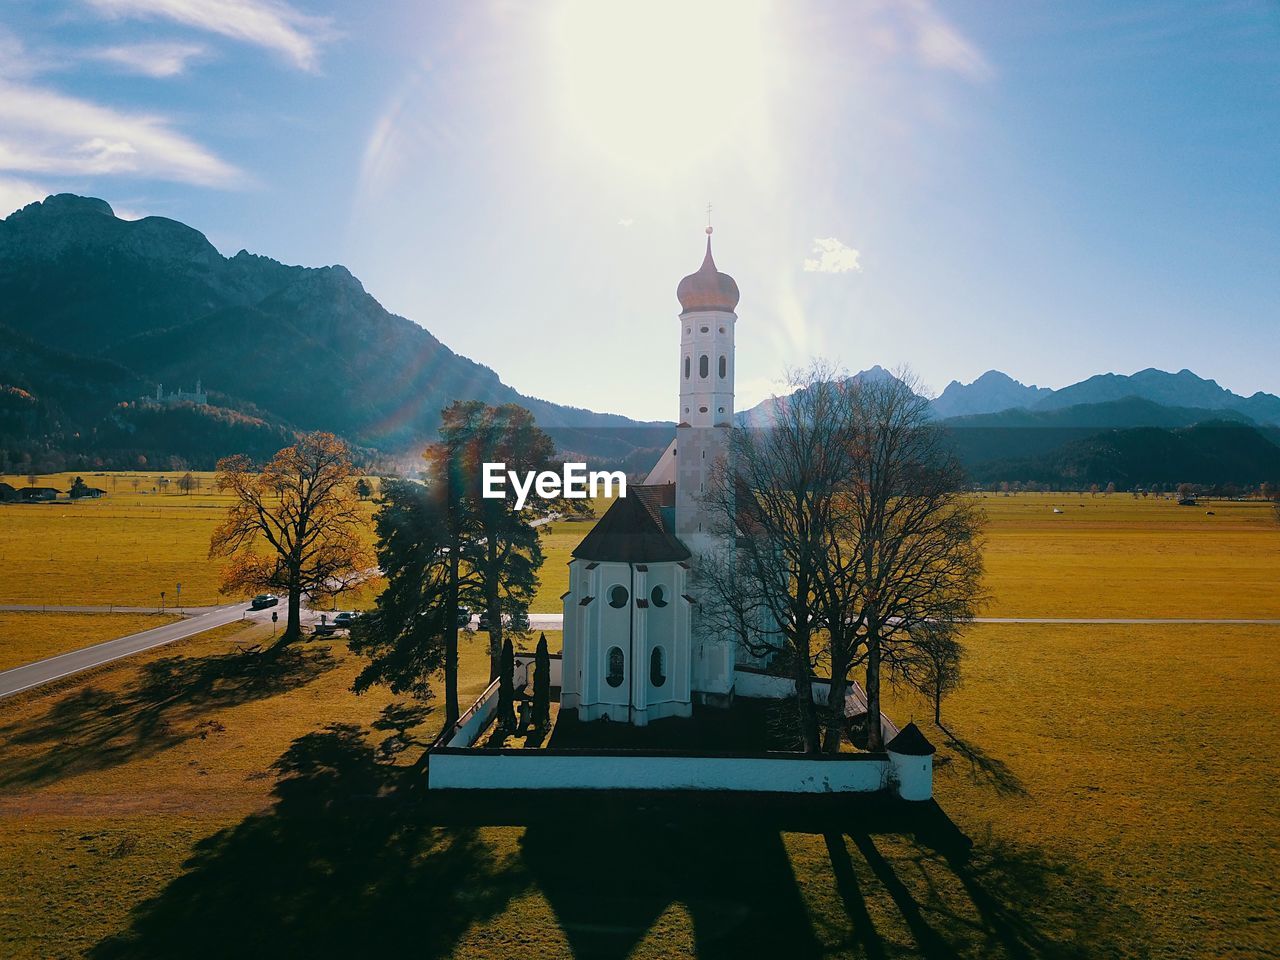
(1054, 190)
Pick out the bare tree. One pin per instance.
(775, 494)
(303, 509)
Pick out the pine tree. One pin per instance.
(506, 687)
(542, 685)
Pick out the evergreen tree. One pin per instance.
(542, 685)
(506, 687)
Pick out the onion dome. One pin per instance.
(708, 289)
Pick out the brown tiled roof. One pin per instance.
(632, 531)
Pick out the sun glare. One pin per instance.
(661, 83)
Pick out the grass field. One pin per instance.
(25, 637)
(1115, 782)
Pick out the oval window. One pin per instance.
(724, 367)
(616, 663)
(657, 669)
(704, 329)
(686, 368)
(618, 596)
(659, 596)
(704, 364)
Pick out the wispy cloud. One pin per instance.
(43, 132)
(152, 59)
(16, 194)
(832, 256)
(940, 45)
(265, 23)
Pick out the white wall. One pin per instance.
(547, 770)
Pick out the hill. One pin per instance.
(139, 303)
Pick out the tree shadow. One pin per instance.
(346, 862)
(610, 869)
(168, 703)
(984, 768)
(988, 898)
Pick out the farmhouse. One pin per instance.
(7, 493)
(652, 694)
(39, 494)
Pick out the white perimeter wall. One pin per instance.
(544, 770)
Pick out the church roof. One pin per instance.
(708, 289)
(910, 742)
(632, 530)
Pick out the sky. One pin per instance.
(1052, 190)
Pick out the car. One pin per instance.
(263, 600)
(345, 619)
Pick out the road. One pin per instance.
(46, 671)
(199, 619)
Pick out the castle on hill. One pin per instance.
(198, 396)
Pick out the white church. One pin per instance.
(638, 649)
(635, 648)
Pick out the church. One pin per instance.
(635, 647)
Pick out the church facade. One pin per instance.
(635, 647)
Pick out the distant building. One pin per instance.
(89, 493)
(7, 493)
(197, 396)
(39, 494)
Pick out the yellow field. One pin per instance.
(1119, 557)
(26, 637)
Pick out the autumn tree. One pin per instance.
(293, 527)
(186, 482)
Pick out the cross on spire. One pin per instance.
(708, 219)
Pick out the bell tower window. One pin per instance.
(724, 367)
(704, 364)
(686, 368)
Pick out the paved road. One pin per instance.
(45, 671)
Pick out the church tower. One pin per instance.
(708, 299)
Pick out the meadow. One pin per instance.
(1111, 785)
(25, 637)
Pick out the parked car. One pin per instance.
(263, 600)
(345, 619)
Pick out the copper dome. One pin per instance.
(708, 289)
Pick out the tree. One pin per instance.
(499, 544)
(32, 479)
(363, 490)
(406, 635)
(186, 482)
(915, 537)
(506, 688)
(302, 509)
(1186, 491)
(78, 489)
(1111, 488)
(932, 664)
(542, 685)
(774, 494)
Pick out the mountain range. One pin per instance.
(96, 313)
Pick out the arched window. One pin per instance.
(618, 596)
(659, 596)
(703, 366)
(686, 368)
(657, 669)
(616, 664)
(724, 367)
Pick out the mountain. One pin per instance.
(1183, 389)
(294, 348)
(765, 413)
(1215, 453)
(1017, 434)
(990, 393)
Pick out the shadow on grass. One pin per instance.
(983, 768)
(169, 702)
(346, 863)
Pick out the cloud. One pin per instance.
(941, 46)
(152, 59)
(16, 194)
(55, 134)
(832, 256)
(625, 222)
(265, 23)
